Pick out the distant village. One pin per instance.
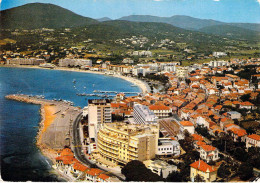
(202, 124)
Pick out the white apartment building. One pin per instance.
(234, 115)
(168, 147)
(219, 54)
(160, 167)
(143, 115)
(253, 140)
(161, 111)
(99, 112)
(220, 63)
(187, 125)
(128, 61)
(75, 62)
(182, 72)
(209, 153)
(142, 53)
(25, 61)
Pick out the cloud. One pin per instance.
(219, 0)
(258, 1)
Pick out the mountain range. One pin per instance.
(187, 22)
(41, 15)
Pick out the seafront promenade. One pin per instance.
(56, 124)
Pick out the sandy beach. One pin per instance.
(47, 118)
(142, 85)
(56, 117)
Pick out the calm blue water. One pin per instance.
(21, 160)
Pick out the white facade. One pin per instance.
(202, 121)
(209, 153)
(182, 72)
(220, 63)
(74, 62)
(128, 61)
(160, 167)
(99, 112)
(25, 61)
(143, 115)
(252, 141)
(218, 54)
(168, 147)
(234, 115)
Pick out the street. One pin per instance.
(77, 148)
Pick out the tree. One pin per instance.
(140, 75)
(240, 154)
(254, 156)
(245, 97)
(223, 171)
(174, 176)
(136, 171)
(245, 171)
(212, 163)
(187, 143)
(203, 131)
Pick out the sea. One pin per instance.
(21, 160)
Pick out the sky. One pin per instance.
(246, 11)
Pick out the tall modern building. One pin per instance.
(143, 115)
(121, 143)
(99, 112)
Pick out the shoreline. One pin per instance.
(141, 84)
(47, 118)
(47, 152)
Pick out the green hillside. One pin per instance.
(40, 15)
(232, 32)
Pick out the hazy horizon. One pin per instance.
(230, 11)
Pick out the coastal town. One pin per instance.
(190, 123)
(155, 91)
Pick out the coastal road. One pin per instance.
(77, 148)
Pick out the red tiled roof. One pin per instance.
(202, 166)
(208, 147)
(218, 107)
(94, 171)
(173, 138)
(254, 136)
(197, 137)
(103, 176)
(158, 107)
(66, 152)
(200, 143)
(238, 132)
(228, 125)
(80, 167)
(186, 123)
(247, 104)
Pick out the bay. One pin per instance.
(21, 160)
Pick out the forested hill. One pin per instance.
(41, 15)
